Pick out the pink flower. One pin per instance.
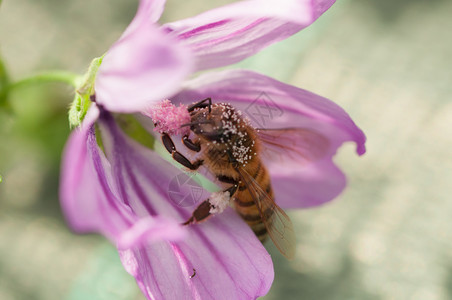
(120, 190)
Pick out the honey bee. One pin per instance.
(230, 148)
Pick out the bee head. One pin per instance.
(216, 125)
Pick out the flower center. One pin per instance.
(169, 118)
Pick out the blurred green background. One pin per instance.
(388, 236)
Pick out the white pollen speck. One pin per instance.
(219, 201)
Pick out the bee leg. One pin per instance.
(202, 212)
(168, 143)
(185, 162)
(201, 104)
(227, 179)
(177, 156)
(232, 190)
(190, 144)
(237, 183)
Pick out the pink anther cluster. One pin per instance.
(168, 118)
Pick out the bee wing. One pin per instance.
(301, 144)
(277, 223)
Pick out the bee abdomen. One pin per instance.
(241, 203)
(260, 231)
(245, 200)
(251, 217)
(249, 212)
(254, 220)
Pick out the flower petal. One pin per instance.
(221, 258)
(150, 229)
(233, 32)
(90, 201)
(151, 9)
(272, 104)
(148, 11)
(227, 257)
(145, 65)
(309, 186)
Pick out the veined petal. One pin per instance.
(90, 201)
(272, 104)
(233, 32)
(227, 257)
(220, 259)
(143, 66)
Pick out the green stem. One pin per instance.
(44, 77)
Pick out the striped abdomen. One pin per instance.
(245, 201)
